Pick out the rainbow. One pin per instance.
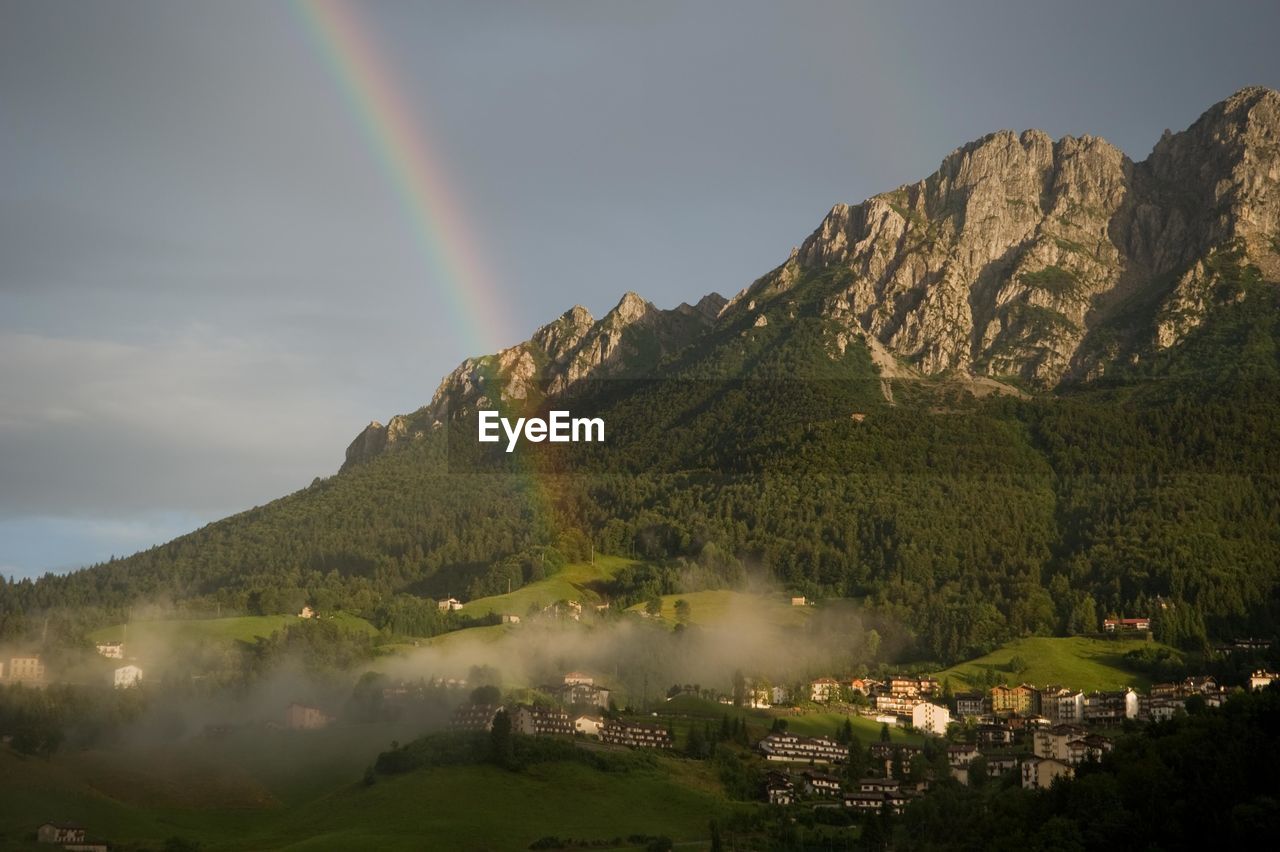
(438, 222)
(406, 156)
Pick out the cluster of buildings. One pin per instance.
(897, 699)
(577, 690)
(123, 677)
(864, 794)
(540, 721)
(1039, 733)
(1055, 753)
(796, 749)
(1104, 708)
(29, 669)
(916, 700)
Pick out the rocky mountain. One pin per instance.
(1050, 260)
(832, 424)
(629, 341)
(1021, 259)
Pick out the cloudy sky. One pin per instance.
(210, 279)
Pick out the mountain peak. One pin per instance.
(630, 308)
(1022, 257)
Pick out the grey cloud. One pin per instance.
(196, 422)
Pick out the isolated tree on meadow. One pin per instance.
(683, 611)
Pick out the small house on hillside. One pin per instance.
(1113, 625)
(127, 677)
(302, 717)
(60, 832)
(111, 650)
(824, 689)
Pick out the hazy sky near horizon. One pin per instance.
(209, 282)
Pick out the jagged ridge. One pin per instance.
(1020, 258)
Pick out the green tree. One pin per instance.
(502, 741)
(684, 611)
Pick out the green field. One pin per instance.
(482, 808)
(472, 636)
(1076, 662)
(246, 628)
(572, 582)
(720, 606)
(296, 791)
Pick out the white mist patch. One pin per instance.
(559, 427)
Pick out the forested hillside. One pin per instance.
(968, 519)
(1108, 444)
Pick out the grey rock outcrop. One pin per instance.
(1020, 257)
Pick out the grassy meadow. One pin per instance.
(719, 606)
(572, 582)
(1078, 662)
(141, 635)
(304, 791)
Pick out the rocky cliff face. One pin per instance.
(1005, 260)
(1020, 257)
(627, 342)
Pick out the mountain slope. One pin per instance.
(833, 424)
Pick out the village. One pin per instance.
(883, 741)
(1029, 734)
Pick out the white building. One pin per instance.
(757, 695)
(128, 676)
(449, 604)
(111, 650)
(1261, 679)
(588, 725)
(930, 718)
(824, 689)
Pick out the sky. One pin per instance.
(216, 265)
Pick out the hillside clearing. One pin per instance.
(1077, 662)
